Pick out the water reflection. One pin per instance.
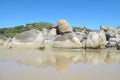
(60, 59)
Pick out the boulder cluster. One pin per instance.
(62, 35)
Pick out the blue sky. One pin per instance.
(91, 13)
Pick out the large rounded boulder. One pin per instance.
(29, 39)
(63, 27)
(96, 39)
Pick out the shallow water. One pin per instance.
(59, 64)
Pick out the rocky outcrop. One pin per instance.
(109, 32)
(51, 35)
(45, 32)
(118, 30)
(118, 37)
(118, 34)
(66, 38)
(67, 41)
(82, 36)
(29, 39)
(113, 42)
(95, 40)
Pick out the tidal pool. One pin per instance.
(59, 64)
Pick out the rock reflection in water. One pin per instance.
(60, 59)
(102, 56)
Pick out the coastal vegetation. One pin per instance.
(12, 31)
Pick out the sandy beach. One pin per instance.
(59, 64)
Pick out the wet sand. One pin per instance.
(59, 64)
